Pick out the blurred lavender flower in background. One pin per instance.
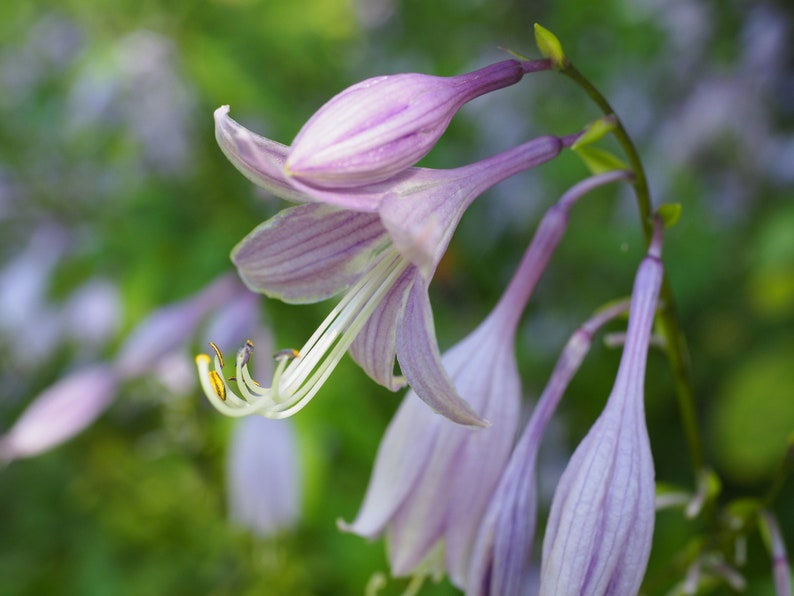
(171, 327)
(127, 90)
(75, 401)
(60, 412)
(25, 310)
(137, 87)
(92, 313)
(263, 475)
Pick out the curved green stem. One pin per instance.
(669, 324)
(784, 471)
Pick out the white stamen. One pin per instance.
(299, 375)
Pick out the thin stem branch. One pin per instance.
(670, 326)
(785, 469)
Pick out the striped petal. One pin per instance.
(257, 158)
(374, 348)
(309, 253)
(420, 360)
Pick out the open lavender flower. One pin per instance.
(500, 559)
(378, 127)
(383, 249)
(432, 480)
(598, 537)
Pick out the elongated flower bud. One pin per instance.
(600, 527)
(380, 126)
(60, 412)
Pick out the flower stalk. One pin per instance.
(668, 321)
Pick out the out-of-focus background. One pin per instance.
(115, 200)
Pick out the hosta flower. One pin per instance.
(62, 411)
(598, 537)
(382, 249)
(500, 560)
(378, 127)
(263, 472)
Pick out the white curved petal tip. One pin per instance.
(221, 112)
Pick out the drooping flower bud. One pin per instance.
(598, 537)
(380, 126)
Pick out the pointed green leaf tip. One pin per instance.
(515, 54)
(600, 161)
(550, 47)
(670, 214)
(595, 131)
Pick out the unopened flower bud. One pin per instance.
(60, 412)
(380, 126)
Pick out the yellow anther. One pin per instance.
(218, 385)
(287, 354)
(217, 353)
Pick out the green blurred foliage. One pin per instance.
(136, 504)
(756, 414)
